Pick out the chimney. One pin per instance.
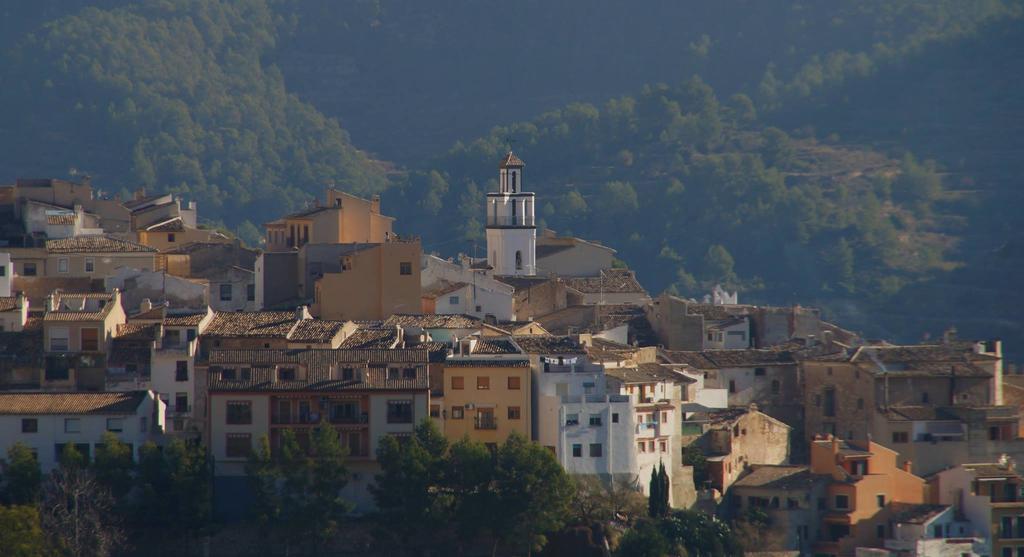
(375, 204)
(907, 466)
(191, 205)
(140, 193)
(145, 305)
(302, 312)
(835, 444)
(949, 335)
(827, 338)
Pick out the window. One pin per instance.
(880, 499)
(759, 372)
(615, 417)
(286, 374)
(572, 419)
(399, 411)
(792, 503)
(181, 402)
(62, 265)
(457, 412)
(641, 446)
(513, 383)
(924, 397)
(577, 450)
(228, 374)
(519, 258)
(29, 269)
(457, 383)
(1006, 530)
(238, 445)
(860, 404)
(250, 292)
(90, 264)
(483, 382)
(181, 370)
(663, 446)
(90, 339)
(115, 424)
(842, 502)
(595, 419)
(830, 402)
(453, 300)
(246, 374)
(58, 339)
(239, 412)
(29, 425)
(72, 425)
(775, 386)
(170, 237)
(225, 292)
(595, 450)
(435, 411)
(732, 385)
(409, 373)
(900, 437)
(514, 413)
(405, 268)
(880, 531)
(393, 373)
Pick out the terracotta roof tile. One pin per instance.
(483, 362)
(169, 225)
(8, 303)
(612, 281)
(95, 244)
(276, 324)
(62, 219)
(323, 368)
(315, 330)
(138, 331)
(549, 344)
(648, 373)
(71, 403)
(495, 346)
(431, 321)
(779, 477)
(443, 288)
(511, 161)
(184, 319)
(371, 338)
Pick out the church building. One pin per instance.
(511, 229)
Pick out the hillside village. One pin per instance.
(127, 316)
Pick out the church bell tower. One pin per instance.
(511, 230)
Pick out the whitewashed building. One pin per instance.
(46, 422)
(511, 229)
(456, 287)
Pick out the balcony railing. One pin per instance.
(486, 422)
(503, 220)
(360, 419)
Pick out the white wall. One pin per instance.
(502, 244)
(219, 428)
(493, 297)
(379, 426)
(51, 431)
(8, 277)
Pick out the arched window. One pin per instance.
(513, 181)
(519, 260)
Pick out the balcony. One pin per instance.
(363, 418)
(288, 419)
(485, 422)
(572, 368)
(178, 411)
(510, 221)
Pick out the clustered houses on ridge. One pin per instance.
(125, 316)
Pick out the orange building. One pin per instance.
(345, 219)
(865, 479)
(369, 281)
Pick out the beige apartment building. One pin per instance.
(345, 219)
(373, 281)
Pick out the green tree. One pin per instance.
(264, 476)
(533, 493)
(654, 495)
(701, 534)
(328, 476)
(22, 477)
(718, 265)
(469, 477)
(113, 465)
(618, 198)
(21, 534)
(776, 148)
(413, 508)
(694, 457)
(71, 458)
(644, 540)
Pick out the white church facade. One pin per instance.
(511, 227)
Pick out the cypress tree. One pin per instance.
(654, 499)
(664, 490)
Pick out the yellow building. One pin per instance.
(345, 219)
(487, 391)
(370, 281)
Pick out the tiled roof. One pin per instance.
(63, 219)
(483, 362)
(696, 360)
(495, 346)
(726, 417)
(438, 350)
(251, 324)
(70, 403)
(648, 373)
(511, 160)
(846, 448)
(371, 338)
(155, 313)
(612, 281)
(779, 477)
(749, 357)
(184, 319)
(522, 283)
(443, 288)
(95, 244)
(917, 353)
(549, 344)
(169, 225)
(131, 204)
(431, 321)
(914, 513)
(323, 368)
(76, 315)
(8, 303)
(715, 312)
(315, 330)
(917, 413)
(993, 470)
(138, 331)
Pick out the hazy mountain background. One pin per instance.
(863, 156)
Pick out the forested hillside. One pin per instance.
(859, 155)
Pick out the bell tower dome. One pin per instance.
(511, 230)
